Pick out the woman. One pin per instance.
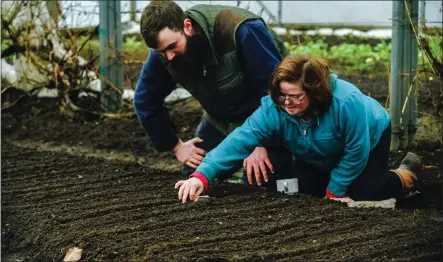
(339, 137)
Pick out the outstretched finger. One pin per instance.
(343, 199)
(190, 164)
(200, 151)
(269, 164)
(180, 191)
(192, 193)
(263, 170)
(249, 173)
(197, 157)
(257, 174)
(196, 140)
(185, 194)
(179, 184)
(199, 191)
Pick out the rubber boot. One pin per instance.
(411, 162)
(408, 173)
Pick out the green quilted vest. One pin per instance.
(218, 84)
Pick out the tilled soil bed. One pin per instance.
(98, 184)
(120, 211)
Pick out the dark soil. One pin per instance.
(115, 210)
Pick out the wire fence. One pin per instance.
(59, 58)
(352, 13)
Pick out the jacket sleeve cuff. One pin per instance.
(337, 189)
(329, 194)
(202, 177)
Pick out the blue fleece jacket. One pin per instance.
(340, 140)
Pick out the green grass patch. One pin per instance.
(132, 48)
(360, 58)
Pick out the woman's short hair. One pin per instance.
(312, 73)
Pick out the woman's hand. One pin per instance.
(343, 199)
(191, 188)
(256, 163)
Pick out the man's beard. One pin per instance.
(196, 52)
(197, 47)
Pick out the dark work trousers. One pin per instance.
(376, 182)
(281, 158)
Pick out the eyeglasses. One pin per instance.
(293, 99)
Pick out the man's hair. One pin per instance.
(311, 73)
(158, 15)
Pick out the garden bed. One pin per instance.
(120, 211)
(59, 191)
(98, 184)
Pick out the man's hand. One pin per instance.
(188, 154)
(191, 188)
(256, 163)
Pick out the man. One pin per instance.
(224, 56)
